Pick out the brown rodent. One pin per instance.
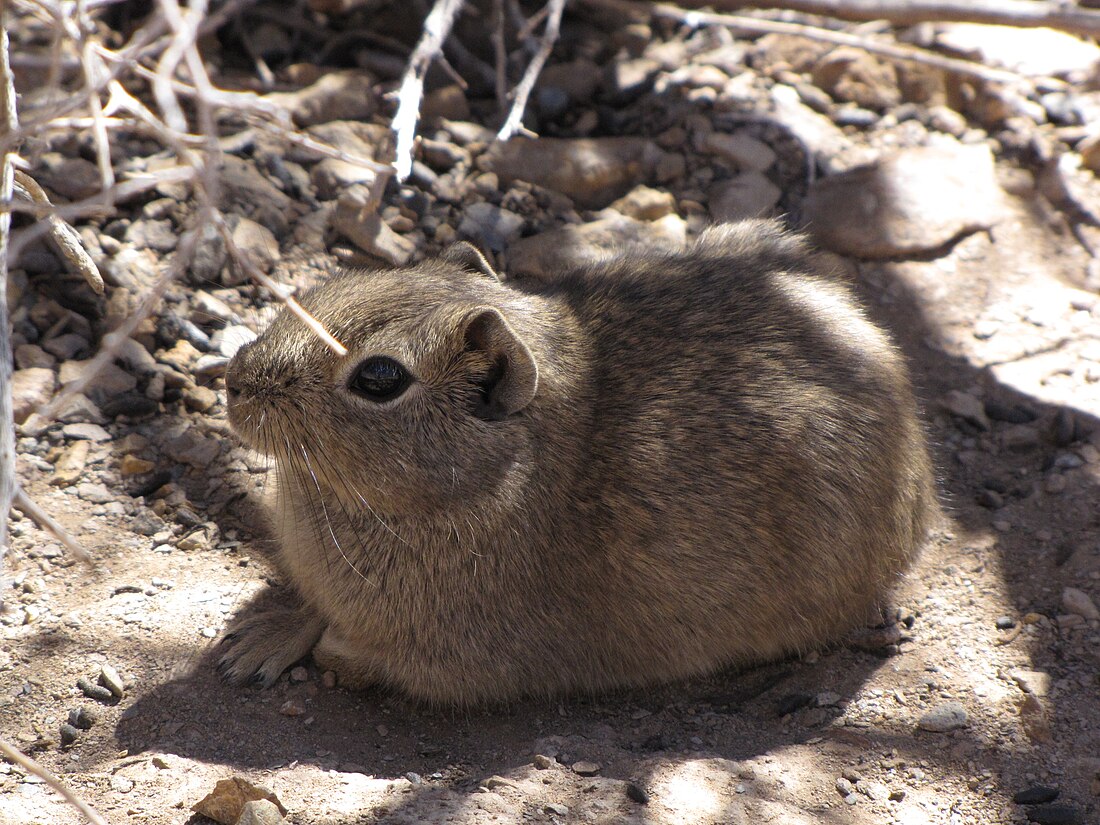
(666, 464)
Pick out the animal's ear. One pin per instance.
(513, 377)
(468, 257)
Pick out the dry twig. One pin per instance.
(9, 123)
(17, 757)
(514, 122)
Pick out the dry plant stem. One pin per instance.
(64, 237)
(9, 124)
(1021, 13)
(17, 757)
(757, 25)
(31, 508)
(436, 28)
(514, 122)
(277, 289)
(500, 53)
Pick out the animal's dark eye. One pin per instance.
(379, 379)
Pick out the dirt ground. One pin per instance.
(1001, 318)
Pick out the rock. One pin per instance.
(1010, 414)
(1020, 437)
(261, 200)
(827, 699)
(855, 76)
(209, 258)
(109, 678)
(332, 176)
(32, 355)
(967, 407)
(792, 702)
(490, 226)
(626, 79)
(360, 222)
(821, 137)
(70, 464)
(86, 432)
(131, 465)
(83, 717)
(914, 201)
(644, 203)
(257, 243)
(1035, 682)
(67, 346)
(571, 246)
(586, 768)
(748, 195)
(72, 178)
(591, 171)
(339, 95)
(30, 389)
(160, 236)
(1033, 51)
(1056, 814)
(1005, 623)
(226, 802)
(636, 793)
(1078, 602)
(578, 79)
(943, 718)
(232, 338)
(199, 399)
(1035, 795)
(1034, 719)
(137, 357)
(260, 812)
(293, 707)
(69, 734)
(108, 382)
(542, 762)
(744, 152)
(80, 408)
(556, 808)
(446, 102)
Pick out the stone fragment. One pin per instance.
(226, 802)
(66, 346)
(257, 243)
(586, 768)
(591, 171)
(1035, 795)
(852, 75)
(917, 200)
(131, 465)
(644, 203)
(571, 246)
(30, 389)
(967, 407)
(160, 236)
(744, 152)
(260, 812)
(72, 178)
(339, 95)
(109, 678)
(447, 102)
(490, 226)
(824, 140)
(199, 399)
(70, 464)
(32, 355)
(1078, 602)
(1055, 814)
(943, 718)
(85, 431)
(359, 221)
(332, 176)
(744, 196)
(180, 356)
(1034, 719)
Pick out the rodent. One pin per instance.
(640, 471)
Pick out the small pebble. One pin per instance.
(1006, 623)
(555, 808)
(586, 768)
(947, 717)
(1036, 795)
(542, 762)
(109, 678)
(299, 674)
(328, 679)
(69, 734)
(1055, 815)
(84, 717)
(637, 793)
(292, 707)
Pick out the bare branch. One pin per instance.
(436, 28)
(514, 122)
(43, 519)
(17, 757)
(9, 123)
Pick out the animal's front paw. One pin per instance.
(260, 646)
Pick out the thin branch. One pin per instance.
(759, 25)
(1020, 13)
(31, 508)
(514, 122)
(436, 28)
(17, 757)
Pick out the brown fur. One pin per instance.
(667, 464)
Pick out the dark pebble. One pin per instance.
(100, 694)
(172, 328)
(1007, 623)
(996, 485)
(151, 485)
(83, 717)
(132, 404)
(1036, 795)
(637, 793)
(792, 702)
(990, 499)
(1055, 815)
(1065, 428)
(69, 734)
(127, 588)
(1010, 414)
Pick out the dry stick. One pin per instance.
(9, 123)
(757, 25)
(436, 28)
(17, 757)
(31, 508)
(1020, 13)
(500, 53)
(514, 122)
(64, 237)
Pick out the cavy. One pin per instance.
(666, 464)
